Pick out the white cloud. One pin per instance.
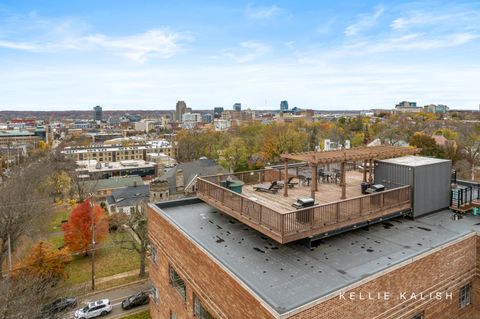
(247, 51)
(140, 47)
(425, 18)
(18, 45)
(43, 35)
(365, 22)
(261, 13)
(414, 41)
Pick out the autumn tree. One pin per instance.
(77, 231)
(45, 261)
(23, 204)
(281, 139)
(427, 143)
(470, 147)
(135, 223)
(58, 184)
(236, 156)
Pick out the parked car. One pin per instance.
(59, 305)
(136, 300)
(94, 309)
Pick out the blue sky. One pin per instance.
(318, 54)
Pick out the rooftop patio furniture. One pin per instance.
(291, 184)
(269, 188)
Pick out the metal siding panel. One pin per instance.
(432, 188)
(430, 183)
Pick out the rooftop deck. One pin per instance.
(327, 192)
(272, 214)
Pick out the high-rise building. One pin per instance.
(283, 106)
(97, 113)
(217, 112)
(237, 107)
(181, 108)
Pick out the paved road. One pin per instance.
(116, 297)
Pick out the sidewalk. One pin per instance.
(102, 280)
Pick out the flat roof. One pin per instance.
(91, 165)
(414, 160)
(15, 133)
(292, 275)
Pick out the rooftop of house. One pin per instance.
(291, 275)
(114, 182)
(129, 196)
(201, 167)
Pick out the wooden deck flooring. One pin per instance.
(327, 193)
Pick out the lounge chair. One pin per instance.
(269, 188)
(290, 184)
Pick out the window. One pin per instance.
(465, 295)
(199, 311)
(419, 316)
(153, 250)
(177, 282)
(155, 294)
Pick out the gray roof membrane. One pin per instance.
(412, 160)
(291, 275)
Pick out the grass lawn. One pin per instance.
(140, 315)
(109, 260)
(56, 221)
(56, 240)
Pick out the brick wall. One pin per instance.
(223, 296)
(443, 271)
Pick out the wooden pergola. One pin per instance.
(365, 154)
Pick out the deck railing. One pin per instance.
(301, 223)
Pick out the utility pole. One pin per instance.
(93, 241)
(9, 244)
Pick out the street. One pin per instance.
(116, 297)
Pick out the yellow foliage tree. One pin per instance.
(46, 261)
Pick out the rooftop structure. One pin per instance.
(108, 184)
(98, 170)
(335, 194)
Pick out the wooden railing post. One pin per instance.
(312, 217)
(338, 211)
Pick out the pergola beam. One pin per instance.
(351, 155)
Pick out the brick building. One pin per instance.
(210, 263)
(235, 272)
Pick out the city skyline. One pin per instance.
(149, 55)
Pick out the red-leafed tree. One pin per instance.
(78, 229)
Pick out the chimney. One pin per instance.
(179, 183)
